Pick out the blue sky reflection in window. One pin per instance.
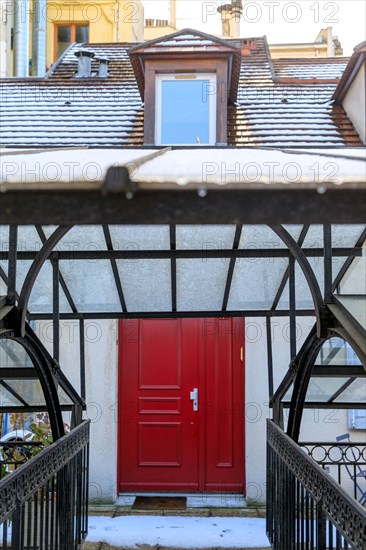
(185, 111)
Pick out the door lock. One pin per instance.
(194, 398)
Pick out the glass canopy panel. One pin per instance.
(355, 393)
(336, 351)
(204, 237)
(140, 237)
(321, 390)
(80, 238)
(255, 283)
(146, 284)
(41, 298)
(201, 284)
(29, 390)
(91, 284)
(12, 354)
(263, 237)
(356, 305)
(346, 235)
(63, 397)
(7, 399)
(303, 295)
(3, 285)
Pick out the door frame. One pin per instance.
(202, 409)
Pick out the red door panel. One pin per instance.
(224, 405)
(158, 428)
(164, 444)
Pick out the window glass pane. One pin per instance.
(82, 33)
(185, 117)
(63, 39)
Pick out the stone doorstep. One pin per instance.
(105, 546)
(116, 511)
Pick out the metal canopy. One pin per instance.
(183, 186)
(144, 240)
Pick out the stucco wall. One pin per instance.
(355, 105)
(101, 394)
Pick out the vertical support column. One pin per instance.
(328, 276)
(292, 300)
(173, 268)
(269, 356)
(12, 271)
(82, 358)
(56, 307)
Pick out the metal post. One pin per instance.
(269, 356)
(82, 357)
(292, 300)
(13, 246)
(56, 307)
(327, 232)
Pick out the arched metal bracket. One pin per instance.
(298, 254)
(34, 270)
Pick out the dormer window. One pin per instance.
(185, 109)
(186, 80)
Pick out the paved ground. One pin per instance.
(191, 512)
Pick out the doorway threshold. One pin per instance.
(194, 500)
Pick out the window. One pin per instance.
(67, 34)
(186, 81)
(185, 109)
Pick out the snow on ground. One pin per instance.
(181, 532)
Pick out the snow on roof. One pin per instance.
(184, 166)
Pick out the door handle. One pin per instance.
(194, 398)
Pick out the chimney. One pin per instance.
(103, 67)
(173, 14)
(21, 38)
(230, 18)
(84, 63)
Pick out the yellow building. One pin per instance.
(34, 33)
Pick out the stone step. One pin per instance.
(205, 512)
(105, 546)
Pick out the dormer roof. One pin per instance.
(355, 63)
(191, 44)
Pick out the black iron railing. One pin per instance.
(343, 460)
(43, 504)
(306, 508)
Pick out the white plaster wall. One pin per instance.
(257, 392)
(355, 103)
(101, 394)
(317, 425)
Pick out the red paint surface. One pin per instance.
(164, 445)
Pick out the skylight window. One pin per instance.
(185, 109)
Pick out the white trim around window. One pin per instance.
(210, 95)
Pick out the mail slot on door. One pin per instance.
(194, 398)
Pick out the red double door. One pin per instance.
(181, 405)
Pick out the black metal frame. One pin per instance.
(46, 498)
(306, 507)
(301, 364)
